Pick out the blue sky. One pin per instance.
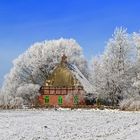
(90, 22)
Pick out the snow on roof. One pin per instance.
(85, 83)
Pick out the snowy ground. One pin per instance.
(69, 125)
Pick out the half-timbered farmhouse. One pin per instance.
(66, 86)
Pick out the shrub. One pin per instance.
(131, 104)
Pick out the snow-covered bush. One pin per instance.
(130, 104)
(29, 93)
(31, 69)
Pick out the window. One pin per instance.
(60, 100)
(75, 99)
(47, 99)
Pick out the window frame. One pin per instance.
(60, 100)
(47, 99)
(76, 99)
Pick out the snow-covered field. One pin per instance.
(69, 125)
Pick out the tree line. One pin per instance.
(114, 75)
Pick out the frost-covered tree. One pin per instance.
(136, 39)
(97, 74)
(31, 69)
(136, 77)
(132, 102)
(112, 71)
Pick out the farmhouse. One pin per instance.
(66, 86)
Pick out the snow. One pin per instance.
(65, 124)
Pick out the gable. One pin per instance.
(62, 77)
